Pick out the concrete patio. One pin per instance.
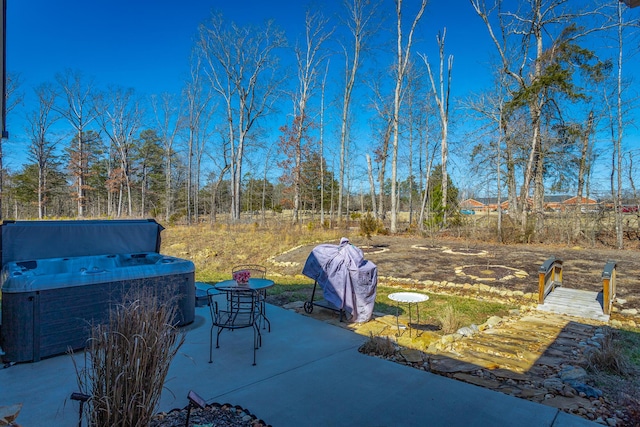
(308, 373)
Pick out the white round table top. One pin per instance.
(408, 297)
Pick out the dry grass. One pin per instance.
(379, 346)
(615, 367)
(214, 249)
(449, 319)
(127, 360)
(610, 357)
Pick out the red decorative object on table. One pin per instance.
(242, 277)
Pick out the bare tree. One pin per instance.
(402, 64)
(242, 68)
(41, 148)
(413, 113)
(13, 94)
(76, 107)
(321, 148)
(630, 172)
(384, 128)
(427, 173)
(616, 190)
(535, 75)
(490, 107)
(441, 95)
(372, 186)
(308, 58)
(583, 167)
(428, 147)
(220, 158)
(13, 98)
(360, 15)
(120, 120)
(263, 208)
(198, 112)
(169, 122)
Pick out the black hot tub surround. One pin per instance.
(60, 277)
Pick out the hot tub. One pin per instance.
(49, 303)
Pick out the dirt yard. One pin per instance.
(496, 265)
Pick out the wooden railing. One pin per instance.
(608, 286)
(549, 277)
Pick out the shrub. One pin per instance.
(610, 357)
(175, 218)
(378, 346)
(368, 225)
(128, 360)
(450, 319)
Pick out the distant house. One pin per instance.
(562, 203)
(556, 203)
(483, 204)
(472, 204)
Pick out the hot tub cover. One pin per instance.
(26, 240)
(348, 281)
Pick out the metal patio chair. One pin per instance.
(240, 312)
(259, 272)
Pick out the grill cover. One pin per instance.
(348, 281)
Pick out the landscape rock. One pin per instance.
(412, 356)
(586, 389)
(553, 384)
(467, 331)
(572, 373)
(493, 321)
(567, 404)
(295, 305)
(449, 365)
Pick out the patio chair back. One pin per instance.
(256, 270)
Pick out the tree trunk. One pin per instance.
(582, 168)
(618, 142)
(402, 64)
(372, 187)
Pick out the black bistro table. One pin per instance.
(256, 284)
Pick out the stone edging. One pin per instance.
(528, 297)
(241, 416)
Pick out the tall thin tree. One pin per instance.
(441, 94)
(309, 56)
(242, 67)
(76, 106)
(401, 68)
(169, 123)
(43, 144)
(120, 120)
(360, 15)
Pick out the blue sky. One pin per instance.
(145, 44)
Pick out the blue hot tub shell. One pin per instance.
(50, 302)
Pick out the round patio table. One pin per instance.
(407, 298)
(254, 283)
